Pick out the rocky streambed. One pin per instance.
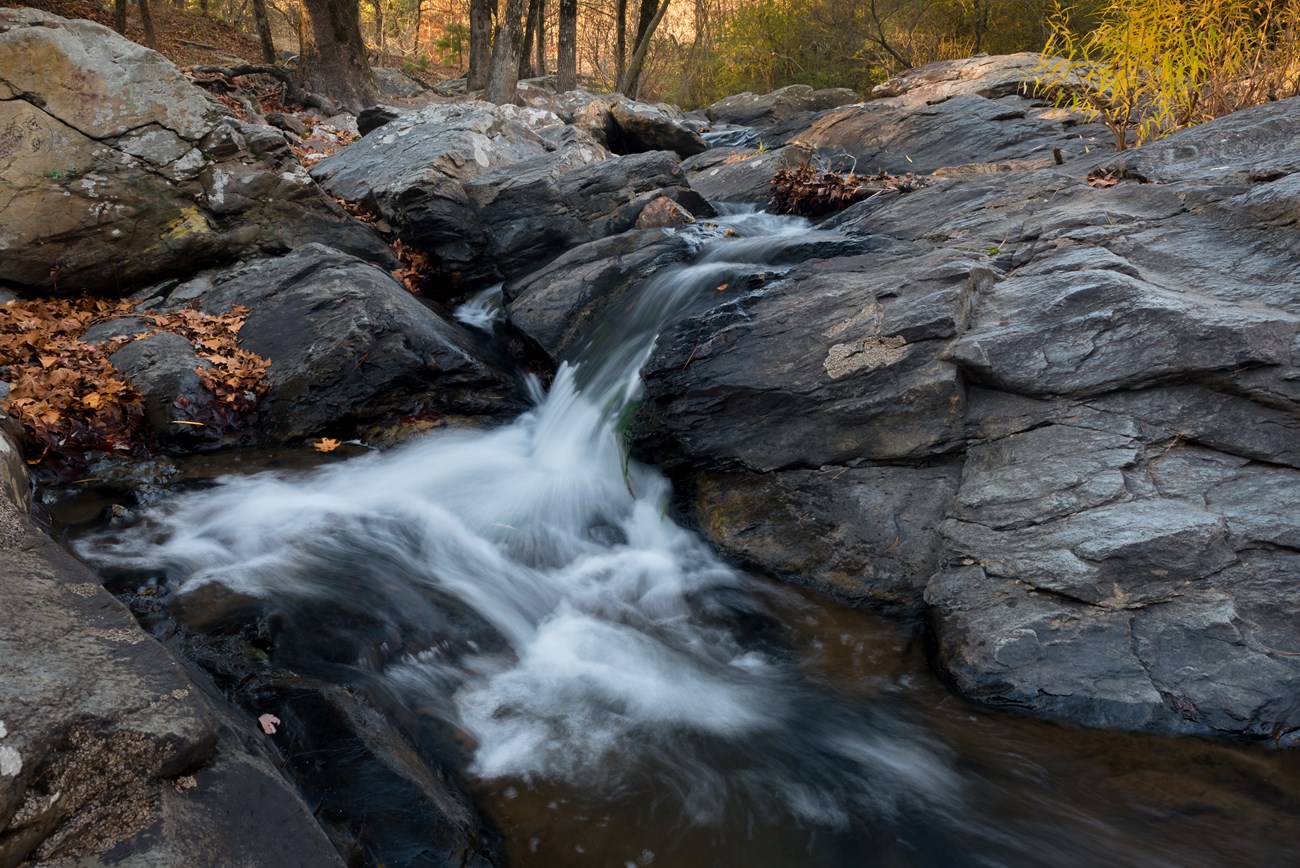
(1028, 432)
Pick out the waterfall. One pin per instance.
(604, 641)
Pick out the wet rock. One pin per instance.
(107, 748)
(164, 370)
(1115, 371)
(866, 535)
(662, 213)
(834, 363)
(535, 210)
(161, 173)
(740, 175)
(558, 306)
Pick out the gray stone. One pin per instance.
(535, 210)
(898, 137)
(164, 370)
(346, 341)
(107, 748)
(755, 110)
(558, 305)
(866, 534)
(1255, 144)
(112, 149)
(644, 127)
(739, 175)
(990, 76)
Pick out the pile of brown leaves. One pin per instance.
(65, 393)
(74, 406)
(236, 378)
(809, 191)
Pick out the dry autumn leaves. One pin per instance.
(74, 406)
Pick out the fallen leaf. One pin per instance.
(268, 723)
(325, 444)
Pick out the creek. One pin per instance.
(625, 696)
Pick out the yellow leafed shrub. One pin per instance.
(1151, 67)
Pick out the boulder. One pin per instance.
(898, 136)
(346, 342)
(413, 173)
(990, 76)
(374, 117)
(1100, 387)
(866, 535)
(539, 208)
(558, 305)
(643, 127)
(739, 175)
(397, 84)
(754, 110)
(115, 170)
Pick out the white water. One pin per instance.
(617, 651)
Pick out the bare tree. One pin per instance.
(507, 46)
(263, 23)
(566, 78)
(482, 14)
(332, 54)
(652, 13)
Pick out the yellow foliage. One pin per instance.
(1151, 67)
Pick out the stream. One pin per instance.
(630, 699)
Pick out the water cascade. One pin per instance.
(525, 586)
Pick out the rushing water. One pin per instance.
(631, 699)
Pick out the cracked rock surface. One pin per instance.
(1061, 422)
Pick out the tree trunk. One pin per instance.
(481, 13)
(419, 19)
(630, 83)
(566, 78)
(620, 39)
(263, 23)
(332, 54)
(530, 33)
(541, 37)
(146, 18)
(379, 29)
(119, 16)
(507, 44)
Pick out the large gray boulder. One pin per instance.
(1073, 409)
(116, 170)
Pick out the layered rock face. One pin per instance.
(1059, 419)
